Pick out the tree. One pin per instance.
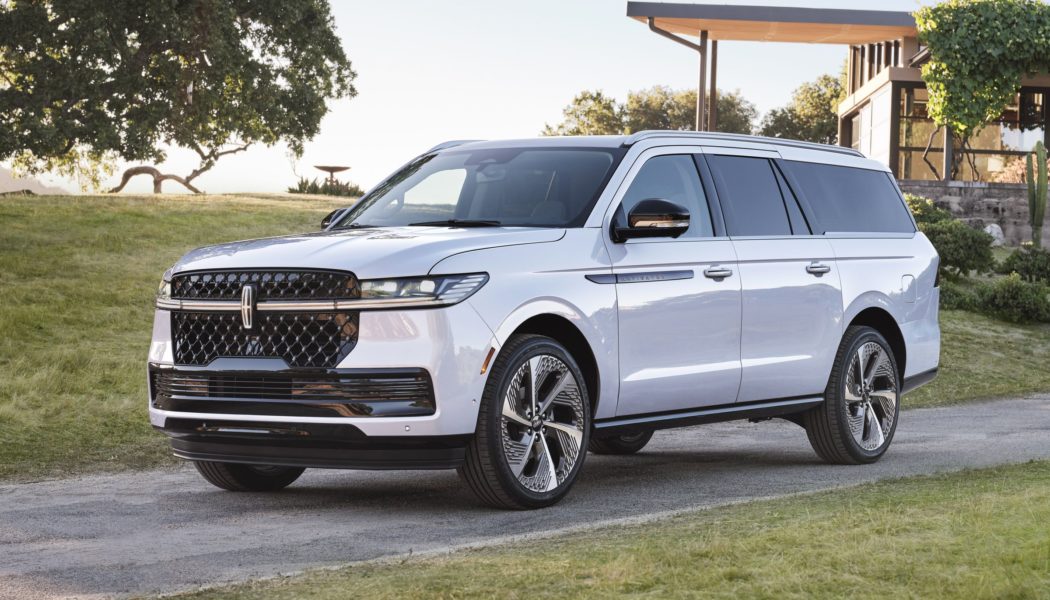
(87, 83)
(811, 116)
(979, 52)
(590, 113)
(659, 107)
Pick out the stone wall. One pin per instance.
(981, 204)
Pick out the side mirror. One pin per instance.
(651, 218)
(332, 216)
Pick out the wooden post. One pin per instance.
(701, 88)
(712, 111)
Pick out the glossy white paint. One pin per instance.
(792, 320)
(770, 330)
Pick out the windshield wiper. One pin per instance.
(355, 226)
(457, 223)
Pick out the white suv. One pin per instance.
(503, 307)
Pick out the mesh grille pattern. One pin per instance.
(301, 339)
(271, 285)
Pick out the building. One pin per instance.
(884, 114)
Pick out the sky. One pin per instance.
(488, 69)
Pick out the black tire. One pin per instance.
(629, 443)
(487, 469)
(247, 478)
(828, 425)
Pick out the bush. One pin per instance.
(957, 297)
(961, 247)
(325, 187)
(1031, 263)
(925, 211)
(1014, 299)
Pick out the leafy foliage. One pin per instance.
(812, 114)
(1030, 262)
(1013, 299)
(925, 211)
(119, 79)
(659, 107)
(326, 187)
(979, 51)
(962, 248)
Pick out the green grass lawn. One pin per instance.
(77, 278)
(974, 534)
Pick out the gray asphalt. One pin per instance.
(166, 530)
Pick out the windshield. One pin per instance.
(515, 187)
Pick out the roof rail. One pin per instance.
(737, 137)
(450, 144)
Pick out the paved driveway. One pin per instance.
(166, 530)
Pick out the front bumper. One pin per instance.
(448, 344)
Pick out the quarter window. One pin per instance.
(674, 178)
(750, 196)
(846, 199)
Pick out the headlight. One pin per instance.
(164, 290)
(440, 290)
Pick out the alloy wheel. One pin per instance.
(871, 396)
(542, 423)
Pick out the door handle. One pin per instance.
(717, 273)
(818, 269)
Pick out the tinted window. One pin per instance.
(534, 187)
(749, 194)
(845, 199)
(672, 178)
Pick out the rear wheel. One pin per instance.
(247, 478)
(629, 443)
(856, 423)
(533, 426)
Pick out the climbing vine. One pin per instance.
(979, 51)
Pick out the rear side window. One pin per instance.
(750, 196)
(845, 199)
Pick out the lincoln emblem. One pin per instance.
(247, 305)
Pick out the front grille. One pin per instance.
(328, 394)
(273, 284)
(301, 339)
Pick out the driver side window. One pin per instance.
(672, 177)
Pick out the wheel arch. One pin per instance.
(881, 320)
(563, 331)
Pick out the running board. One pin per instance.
(714, 414)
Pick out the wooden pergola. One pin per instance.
(713, 22)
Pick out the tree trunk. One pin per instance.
(158, 179)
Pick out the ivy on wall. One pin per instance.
(979, 51)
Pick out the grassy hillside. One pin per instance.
(77, 278)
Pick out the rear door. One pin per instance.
(792, 301)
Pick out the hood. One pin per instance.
(369, 253)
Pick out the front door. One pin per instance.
(792, 299)
(678, 299)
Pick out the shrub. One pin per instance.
(925, 211)
(1013, 299)
(325, 187)
(1031, 263)
(961, 247)
(957, 297)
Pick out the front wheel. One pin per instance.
(856, 423)
(247, 478)
(533, 426)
